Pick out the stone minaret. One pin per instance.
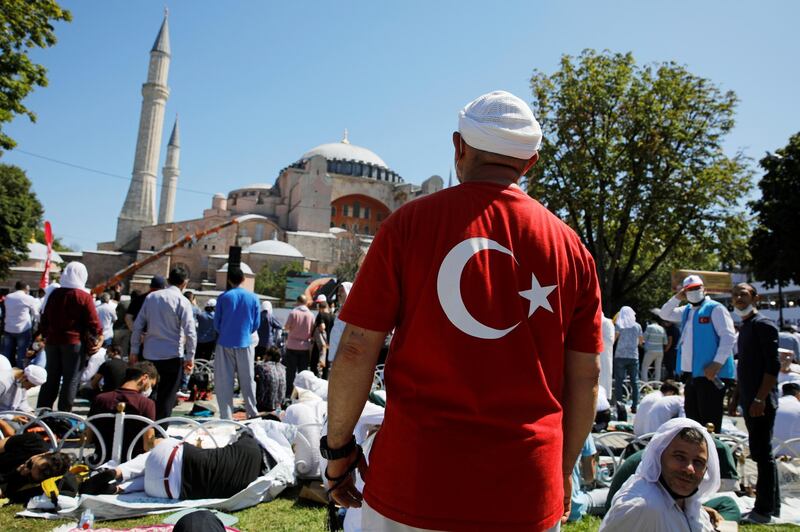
(140, 203)
(170, 173)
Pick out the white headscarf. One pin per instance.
(650, 466)
(626, 318)
(74, 276)
(266, 305)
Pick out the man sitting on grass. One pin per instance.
(679, 468)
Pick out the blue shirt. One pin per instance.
(236, 317)
(205, 327)
(628, 341)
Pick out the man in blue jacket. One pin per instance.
(236, 319)
(705, 353)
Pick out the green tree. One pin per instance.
(350, 257)
(24, 24)
(776, 259)
(632, 160)
(273, 282)
(21, 216)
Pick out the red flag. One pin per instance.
(48, 238)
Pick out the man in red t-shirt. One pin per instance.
(492, 373)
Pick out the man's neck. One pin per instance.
(745, 318)
(129, 386)
(502, 175)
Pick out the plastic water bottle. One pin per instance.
(87, 520)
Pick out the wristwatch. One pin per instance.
(335, 454)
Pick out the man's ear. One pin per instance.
(458, 145)
(530, 163)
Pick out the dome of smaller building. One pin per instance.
(274, 247)
(37, 251)
(245, 268)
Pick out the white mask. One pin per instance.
(147, 391)
(744, 311)
(695, 296)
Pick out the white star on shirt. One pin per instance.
(537, 295)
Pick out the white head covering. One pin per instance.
(36, 375)
(650, 466)
(626, 318)
(499, 122)
(74, 276)
(266, 305)
(322, 298)
(347, 286)
(211, 303)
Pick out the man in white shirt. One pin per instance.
(705, 353)
(15, 383)
(790, 372)
(107, 314)
(787, 421)
(21, 308)
(657, 408)
(679, 468)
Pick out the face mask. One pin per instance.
(147, 391)
(695, 296)
(744, 311)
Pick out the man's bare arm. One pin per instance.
(581, 373)
(350, 381)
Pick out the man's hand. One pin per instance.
(345, 492)
(711, 370)
(681, 294)
(22, 420)
(714, 516)
(567, 498)
(756, 409)
(92, 349)
(188, 366)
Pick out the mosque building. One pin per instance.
(328, 202)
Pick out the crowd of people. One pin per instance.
(520, 389)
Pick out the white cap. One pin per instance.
(321, 299)
(36, 375)
(502, 123)
(692, 281)
(211, 302)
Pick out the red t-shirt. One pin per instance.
(486, 289)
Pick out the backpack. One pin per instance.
(263, 403)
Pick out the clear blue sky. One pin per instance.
(257, 84)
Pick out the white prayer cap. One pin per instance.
(502, 123)
(211, 302)
(266, 305)
(36, 375)
(650, 466)
(321, 299)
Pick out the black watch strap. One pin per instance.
(335, 454)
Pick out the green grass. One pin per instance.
(285, 514)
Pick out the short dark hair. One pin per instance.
(189, 295)
(747, 286)
(236, 275)
(274, 354)
(135, 372)
(58, 464)
(791, 388)
(692, 435)
(20, 285)
(177, 276)
(670, 386)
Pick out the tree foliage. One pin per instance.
(776, 257)
(273, 282)
(350, 257)
(24, 24)
(21, 216)
(632, 161)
